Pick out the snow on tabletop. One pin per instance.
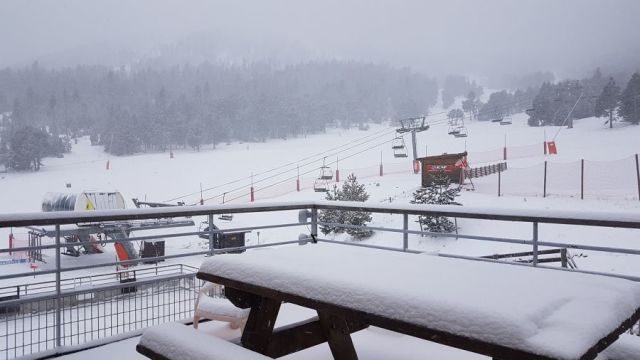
(547, 312)
(178, 341)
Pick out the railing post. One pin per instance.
(535, 244)
(638, 175)
(581, 179)
(58, 290)
(314, 225)
(499, 179)
(405, 234)
(211, 247)
(563, 257)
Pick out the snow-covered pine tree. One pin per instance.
(330, 215)
(351, 191)
(354, 191)
(439, 192)
(608, 100)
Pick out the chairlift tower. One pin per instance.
(413, 125)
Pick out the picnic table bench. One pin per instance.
(499, 310)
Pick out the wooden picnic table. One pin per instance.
(499, 310)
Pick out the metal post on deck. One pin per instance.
(535, 244)
(405, 234)
(638, 175)
(499, 179)
(211, 235)
(581, 179)
(58, 291)
(314, 225)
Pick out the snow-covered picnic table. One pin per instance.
(500, 310)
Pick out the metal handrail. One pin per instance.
(606, 219)
(310, 210)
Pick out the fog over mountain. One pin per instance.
(491, 38)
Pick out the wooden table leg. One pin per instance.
(259, 327)
(338, 336)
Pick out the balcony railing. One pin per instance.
(68, 310)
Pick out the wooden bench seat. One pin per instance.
(175, 341)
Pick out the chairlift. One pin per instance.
(462, 132)
(225, 217)
(321, 185)
(326, 173)
(506, 121)
(398, 143)
(399, 148)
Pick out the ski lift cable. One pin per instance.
(309, 171)
(302, 173)
(316, 160)
(358, 143)
(289, 171)
(435, 122)
(567, 117)
(281, 166)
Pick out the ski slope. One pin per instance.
(157, 177)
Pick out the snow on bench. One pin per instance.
(557, 314)
(175, 341)
(218, 309)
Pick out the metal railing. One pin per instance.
(50, 316)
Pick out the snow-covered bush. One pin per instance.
(351, 191)
(439, 192)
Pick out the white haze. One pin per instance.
(486, 38)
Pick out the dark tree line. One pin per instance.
(154, 109)
(458, 85)
(504, 103)
(598, 96)
(24, 148)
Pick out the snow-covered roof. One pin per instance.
(543, 311)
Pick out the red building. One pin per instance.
(452, 165)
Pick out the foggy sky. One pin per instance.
(481, 38)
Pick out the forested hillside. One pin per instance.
(133, 110)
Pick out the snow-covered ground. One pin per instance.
(228, 168)
(157, 177)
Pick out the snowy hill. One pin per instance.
(276, 163)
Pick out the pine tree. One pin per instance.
(471, 105)
(439, 192)
(630, 101)
(607, 102)
(455, 114)
(351, 191)
(330, 215)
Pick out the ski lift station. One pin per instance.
(452, 165)
(86, 200)
(86, 238)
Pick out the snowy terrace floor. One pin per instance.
(371, 343)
